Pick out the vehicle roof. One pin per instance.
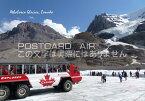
(38, 63)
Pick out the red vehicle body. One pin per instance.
(18, 78)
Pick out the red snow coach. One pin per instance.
(18, 78)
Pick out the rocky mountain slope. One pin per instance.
(99, 23)
(102, 48)
(118, 25)
(28, 32)
(138, 36)
(122, 33)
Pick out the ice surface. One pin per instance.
(123, 30)
(92, 89)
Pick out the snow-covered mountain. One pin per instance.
(139, 14)
(123, 29)
(119, 25)
(117, 19)
(122, 32)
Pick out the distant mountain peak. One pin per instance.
(99, 23)
(29, 32)
(118, 25)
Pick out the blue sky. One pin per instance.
(67, 12)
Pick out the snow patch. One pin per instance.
(105, 51)
(123, 29)
(134, 61)
(119, 43)
(117, 19)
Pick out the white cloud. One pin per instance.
(61, 29)
(58, 27)
(74, 30)
(6, 26)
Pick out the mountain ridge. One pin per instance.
(119, 25)
(29, 32)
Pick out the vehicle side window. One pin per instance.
(49, 68)
(54, 68)
(41, 68)
(32, 69)
(4, 70)
(29, 69)
(13, 69)
(68, 67)
(60, 68)
(19, 69)
(63, 68)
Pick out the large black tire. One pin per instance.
(67, 86)
(4, 92)
(22, 91)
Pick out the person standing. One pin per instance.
(137, 74)
(120, 76)
(90, 73)
(113, 74)
(103, 78)
(125, 75)
(130, 74)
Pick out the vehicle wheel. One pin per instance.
(67, 86)
(4, 92)
(22, 91)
